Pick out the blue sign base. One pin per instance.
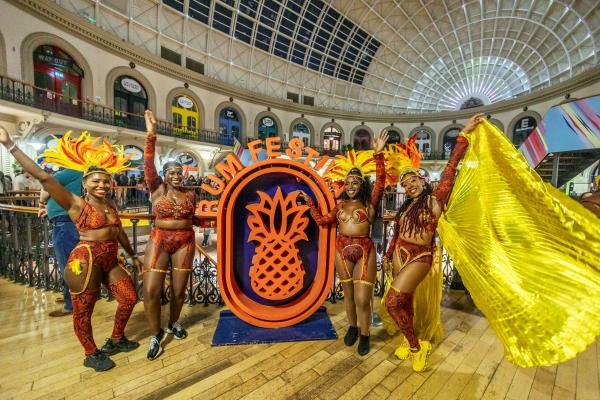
(231, 330)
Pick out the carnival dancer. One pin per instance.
(411, 249)
(95, 259)
(172, 240)
(355, 260)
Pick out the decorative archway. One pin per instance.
(262, 129)
(221, 124)
(308, 125)
(498, 124)
(362, 138)
(333, 137)
(448, 137)
(130, 72)
(35, 40)
(395, 135)
(200, 112)
(522, 125)
(425, 139)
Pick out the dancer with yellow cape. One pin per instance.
(529, 255)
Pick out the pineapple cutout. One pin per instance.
(276, 224)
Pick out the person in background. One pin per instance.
(591, 201)
(64, 233)
(121, 183)
(207, 232)
(9, 183)
(24, 181)
(3, 190)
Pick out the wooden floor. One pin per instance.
(40, 358)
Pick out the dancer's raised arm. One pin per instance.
(63, 197)
(153, 181)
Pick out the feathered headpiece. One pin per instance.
(402, 159)
(86, 152)
(361, 160)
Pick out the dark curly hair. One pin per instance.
(411, 223)
(364, 195)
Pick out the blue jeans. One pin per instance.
(64, 238)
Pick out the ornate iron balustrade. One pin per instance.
(23, 93)
(27, 257)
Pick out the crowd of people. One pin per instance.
(88, 231)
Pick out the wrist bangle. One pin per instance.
(11, 148)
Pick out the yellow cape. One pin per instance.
(529, 254)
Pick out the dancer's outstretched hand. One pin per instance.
(150, 122)
(302, 196)
(473, 122)
(380, 140)
(4, 137)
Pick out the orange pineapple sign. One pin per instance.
(275, 265)
(276, 224)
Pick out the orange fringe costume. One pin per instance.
(354, 248)
(165, 208)
(81, 154)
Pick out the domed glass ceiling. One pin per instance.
(384, 56)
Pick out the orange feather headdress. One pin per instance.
(401, 159)
(362, 160)
(86, 152)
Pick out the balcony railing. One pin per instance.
(33, 96)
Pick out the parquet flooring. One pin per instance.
(41, 358)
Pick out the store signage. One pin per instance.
(185, 102)
(131, 85)
(268, 122)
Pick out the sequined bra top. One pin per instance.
(92, 218)
(166, 208)
(357, 216)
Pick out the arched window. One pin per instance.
(185, 113)
(423, 141)
(332, 139)
(56, 72)
(302, 131)
(267, 127)
(361, 140)
(522, 129)
(394, 136)
(450, 140)
(229, 123)
(131, 100)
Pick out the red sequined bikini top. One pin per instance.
(91, 218)
(166, 208)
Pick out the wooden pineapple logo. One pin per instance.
(276, 224)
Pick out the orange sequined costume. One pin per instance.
(101, 254)
(400, 304)
(350, 248)
(166, 208)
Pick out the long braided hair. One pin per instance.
(364, 195)
(411, 223)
